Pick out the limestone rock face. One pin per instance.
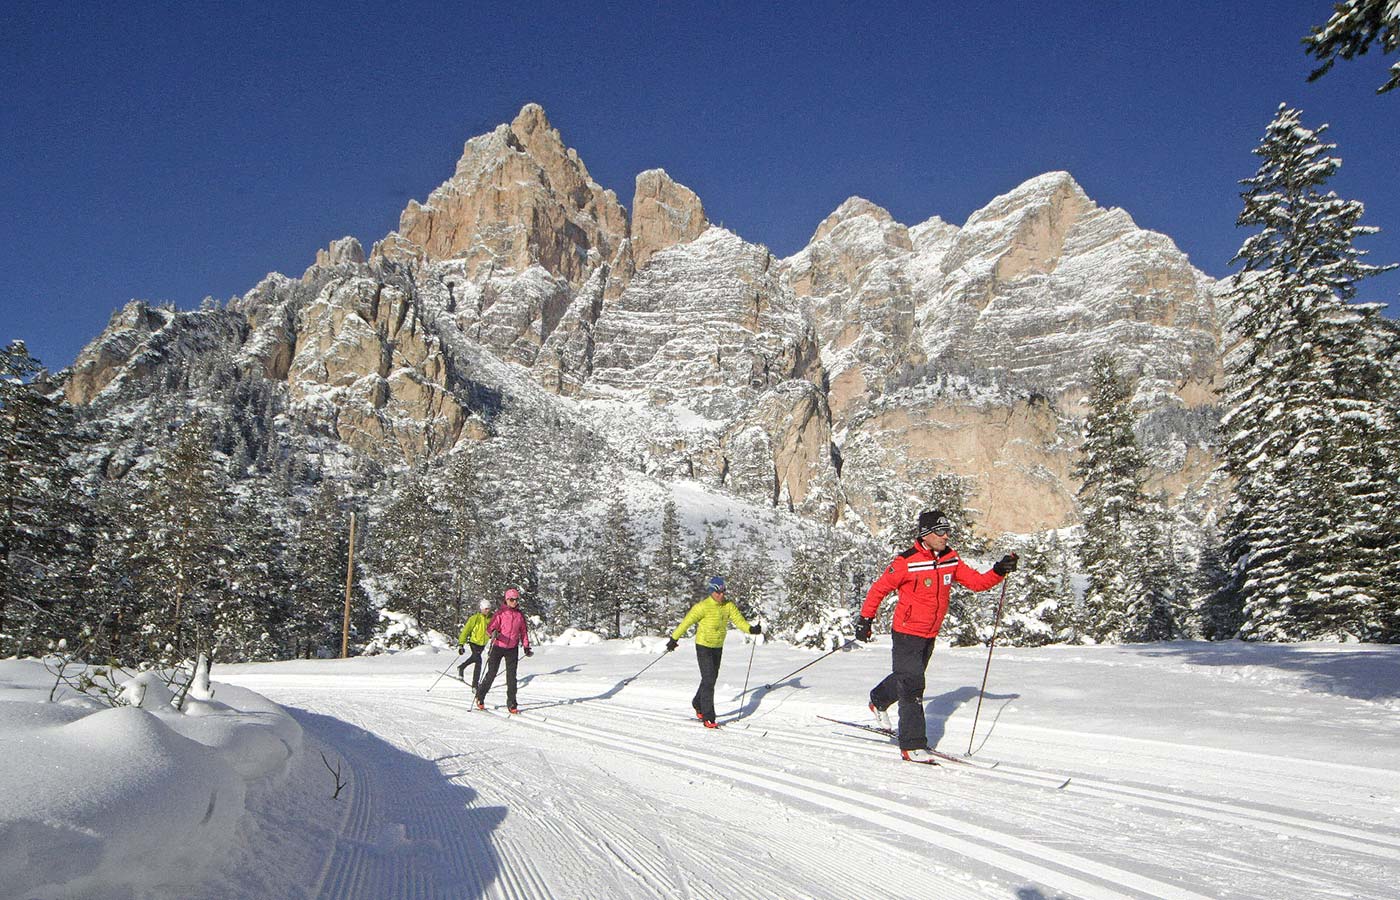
(707, 325)
(367, 363)
(519, 198)
(346, 251)
(129, 329)
(1041, 280)
(664, 214)
(854, 276)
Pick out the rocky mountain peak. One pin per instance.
(664, 214)
(852, 208)
(519, 197)
(345, 251)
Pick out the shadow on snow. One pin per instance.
(1372, 673)
(411, 831)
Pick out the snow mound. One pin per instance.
(576, 637)
(126, 799)
(647, 643)
(400, 632)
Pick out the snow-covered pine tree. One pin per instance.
(1121, 550)
(619, 592)
(1154, 614)
(813, 610)
(411, 553)
(188, 550)
(114, 575)
(317, 559)
(1307, 420)
(247, 620)
(1354, 26)
(1036, 597)
(1218, 616)
(665, 576)
(751, 582)
(40, 511)
(705, 561)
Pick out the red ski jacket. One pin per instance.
(924, 584)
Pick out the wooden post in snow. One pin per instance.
(349, 576)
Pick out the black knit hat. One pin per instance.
(933, 520)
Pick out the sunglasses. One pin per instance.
(941, 530)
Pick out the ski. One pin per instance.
(890, 733)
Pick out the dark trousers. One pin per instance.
(910, 655)
(493, 664)
(473, 660)
(708, 658)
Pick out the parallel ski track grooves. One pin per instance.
(666, 877)
(1340, 836)
(360, 869)
(1019, 858)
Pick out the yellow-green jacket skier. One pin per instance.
(711, 618)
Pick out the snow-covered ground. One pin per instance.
(1179, 770)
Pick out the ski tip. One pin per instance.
(1065, 785)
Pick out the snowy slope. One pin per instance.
(1169, 770)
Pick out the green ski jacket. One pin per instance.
(474, 631)
(711, 618)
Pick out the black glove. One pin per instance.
(863, 629)
(672, 644)
(755, 628)
(1005, 565)
(460, 651)
(529, 652)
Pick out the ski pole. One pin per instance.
(769, 687)
(644, 668)
(750, 668)
(990, 647)
(444, 672)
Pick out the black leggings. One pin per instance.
(473, 660)
(708, 658)
(493, 663)
(910, 655)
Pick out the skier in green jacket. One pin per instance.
(711, 618)
(474, 634)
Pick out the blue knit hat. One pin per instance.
(717, 583)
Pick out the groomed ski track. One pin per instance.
(605, 793)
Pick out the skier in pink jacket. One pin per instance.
(510, 633)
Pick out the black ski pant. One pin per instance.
(704, 701)
(473, 660)
(905, 684)
(493, 664)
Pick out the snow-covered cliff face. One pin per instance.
(878, 357)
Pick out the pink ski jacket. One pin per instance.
(508, 626)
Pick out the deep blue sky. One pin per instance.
(174, 152)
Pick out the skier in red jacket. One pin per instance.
(923, 575)
(510, 633)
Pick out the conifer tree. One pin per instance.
(1123, 546)
(317, 561)
(618, 592)
(187, 552)
(813, 608)
(1307, 424)
(40, 510)
(246, 621)
(704, 563)
(412, 553)
(1036, 598)
(666, 579)
(1355, 25)
(751, 581)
